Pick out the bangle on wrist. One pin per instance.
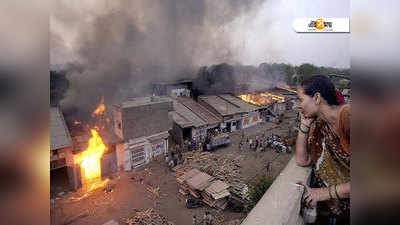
(304, 131)
(336, 192)
(330, 194)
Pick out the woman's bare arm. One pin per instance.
(302, 156)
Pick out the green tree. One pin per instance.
(307, 70)
(259, 188)
(289, 71)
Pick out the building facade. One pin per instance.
(143, 125)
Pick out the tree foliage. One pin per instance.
(259, 188)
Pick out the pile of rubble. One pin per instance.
(203, 187)
(224, 168)
(212, 178)
(147, 217)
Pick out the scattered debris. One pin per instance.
(219, 181)
(74, 219)
(155, 191)
(225, 168)
(139, 176)
(216, 195)
(147, 217)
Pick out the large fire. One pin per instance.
(262, 98)
(89, 159)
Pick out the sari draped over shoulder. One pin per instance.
(330, 155)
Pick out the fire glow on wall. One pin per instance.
(89, 159)
(262, 98)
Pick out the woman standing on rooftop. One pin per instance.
(323, 143)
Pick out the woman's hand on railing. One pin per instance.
(314, 195)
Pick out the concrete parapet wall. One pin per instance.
(281, 203)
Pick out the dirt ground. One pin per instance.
(128, 191)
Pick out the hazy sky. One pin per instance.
(262, 35)
(270, 37)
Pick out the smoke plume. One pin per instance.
(116, 49)
(225, 78)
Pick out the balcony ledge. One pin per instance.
(281, 202)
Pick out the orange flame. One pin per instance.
(262, 98)
(100, 108)
(77, 122)
(90, 158)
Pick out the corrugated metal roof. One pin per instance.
(246, 107)
(227, 105)
(59, 134)
(159, 136)
(223, 107)
(186, 117)
(180, 120)
(209, 117)
(144, 101)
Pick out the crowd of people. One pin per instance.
(262, 143)
(201, 143)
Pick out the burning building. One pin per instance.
(80, 151)
(276, 102)
(264, 98)
(142, 124)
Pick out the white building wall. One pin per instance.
(139, 152)
(250, 119)
(117, 117)
(119, 148)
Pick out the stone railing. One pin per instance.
(280, 205)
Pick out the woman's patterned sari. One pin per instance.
(330, 155)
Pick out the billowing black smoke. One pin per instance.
(121, 47)
(225, 78)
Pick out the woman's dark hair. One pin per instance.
(321, 84)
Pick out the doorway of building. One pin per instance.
(59, 181)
